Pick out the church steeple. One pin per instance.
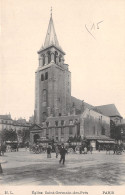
(53, 88)
(51, 37)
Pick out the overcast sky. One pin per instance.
(92, 33)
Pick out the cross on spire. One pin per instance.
(51, 11)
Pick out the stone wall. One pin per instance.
(95, 124)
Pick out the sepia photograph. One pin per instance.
(62, 97)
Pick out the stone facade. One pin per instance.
(58, 115)
(20, 125)
(53, 80)
(89, 124)
(94, 124)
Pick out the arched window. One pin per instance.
(56, 123)
(44, 93)
(42, 77)
(60, 56)
(46, 75)
(43, 59)
(55, 56)
(49, 57)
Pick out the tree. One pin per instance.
(8, 135)
(23, 136)
(115, 131)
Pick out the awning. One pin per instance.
(11, 142)
(100, 141)
(106, 141)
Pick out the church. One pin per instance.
(58, 115)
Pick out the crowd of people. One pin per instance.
(8, 148)
(58, 150)
(62, 150)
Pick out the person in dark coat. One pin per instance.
(62, 154)
(49, 151)
(91, 149)
(108, 149)
(114, 149)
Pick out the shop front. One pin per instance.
(102, 144)
(99, 142)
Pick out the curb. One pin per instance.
(2, 162)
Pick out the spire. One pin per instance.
(51, 38)
(51, 11)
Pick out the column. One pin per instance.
(41, 61)
(57, 60)
(52, 57)
(82, 133)
(74, 111)
(62, 61)
(48, 110)
(56, 111)
(46, 59)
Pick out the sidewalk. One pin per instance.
(2, 160)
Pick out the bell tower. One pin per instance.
(52, 79)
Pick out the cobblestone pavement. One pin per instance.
(26, 168)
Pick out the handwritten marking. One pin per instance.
(89, 31)
(93, 27)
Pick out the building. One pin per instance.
(53, 79)
(111, 111)
(6, 122)
(20, 126)
(58, 115)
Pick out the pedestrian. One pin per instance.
(3, 149)
(62, 154)
(85, 150)
(80, 150)
(57, 151)
(91, 149)
(49, 151)
(108, 149)
(99, 148)
(114, 149)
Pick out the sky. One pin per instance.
(92, 34)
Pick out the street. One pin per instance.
(26, 168)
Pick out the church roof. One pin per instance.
(78, 103)
(108, 110)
